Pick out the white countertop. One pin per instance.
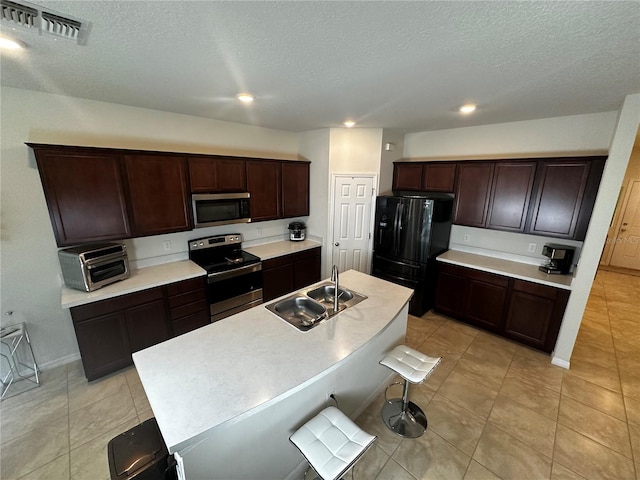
(283, 247)
(522, 271)
(140, 279)
(220, 372)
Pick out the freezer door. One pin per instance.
(387, 219)
(414, 229)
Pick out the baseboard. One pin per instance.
(558, 362)
(58, 362)
(625, 271)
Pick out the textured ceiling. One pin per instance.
(400, 65)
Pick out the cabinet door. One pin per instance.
(473, 193)
(451, 293)
(535, 314)
(295, 189)
(407, 176)
(486, 304)
(147, 325)
(203, 175)
(232, 175)
(307, 268)
(277, 277)
(512, 185)
(439, 177)
(560, 190)
(158, 191)
(263, 183)
(104, 344)
(85, 195)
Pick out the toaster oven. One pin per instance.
(89, 267)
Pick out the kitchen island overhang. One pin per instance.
(254, 374)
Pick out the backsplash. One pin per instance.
(507, 245)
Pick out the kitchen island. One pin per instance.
(228, 395)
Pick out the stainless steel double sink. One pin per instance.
(309, 308)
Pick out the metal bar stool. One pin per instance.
(331, 443)
(403, 417)
(12, 337)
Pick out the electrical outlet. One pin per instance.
(331, 391)
(465, 237)
(532, 247)
(166, 245)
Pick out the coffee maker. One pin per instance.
(560, 258)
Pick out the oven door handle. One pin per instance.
(219, 276)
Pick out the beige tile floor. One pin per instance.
(496, 410)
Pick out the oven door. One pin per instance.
(99, 273)
(233, 291)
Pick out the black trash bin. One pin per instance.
(140, 454)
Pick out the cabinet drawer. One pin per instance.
(277, 262)
(185, 286)
(115, 304)
(190, 322)
(473, 274)
(535, 289)
(188, 309)
(185, 298)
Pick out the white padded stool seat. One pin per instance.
(331, 443)
(410, 364)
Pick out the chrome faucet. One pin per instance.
(334, 279)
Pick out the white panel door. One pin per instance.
(626, 252)
(353, 203)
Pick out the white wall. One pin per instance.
(29, 279)
(572, 135)
(396, 139)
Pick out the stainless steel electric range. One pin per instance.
(234, 277)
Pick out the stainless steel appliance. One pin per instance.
(297, 231)
(410, 231)
(560, 258)
(214, 209)
(89, 267)
(234, 277)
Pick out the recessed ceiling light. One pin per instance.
(349, 123)
(245, 97)
(10, 44)
(469, 108)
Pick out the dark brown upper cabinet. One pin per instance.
(565, 193)
(85, 194)
(407, 176)
(473, 193)
(217, 174)
(427, 177)
(439, 177)
(158, 193)
(295, 189)
(511, 190)
(264, 185)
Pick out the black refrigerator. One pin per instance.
(410, 232)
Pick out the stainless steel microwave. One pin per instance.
(89, 267)
(214, 209)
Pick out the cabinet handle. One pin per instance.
(623, 229)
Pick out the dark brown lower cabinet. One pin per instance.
(188, 306)
(284, 274)
(109, 331)
(527, 312)
(535, 314)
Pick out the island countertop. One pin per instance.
(522, 271)
(221, 372)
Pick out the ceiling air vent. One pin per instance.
(17, 14)
(60, 26)
(44, 20)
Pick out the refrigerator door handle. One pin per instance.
(397, 226)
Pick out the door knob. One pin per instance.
(337, 244)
